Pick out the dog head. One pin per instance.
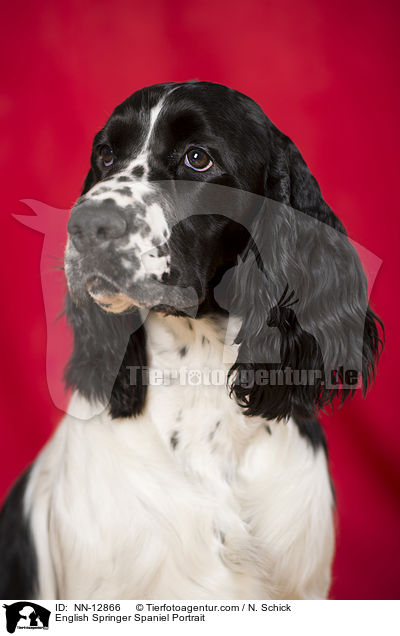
(184, 179)
(135, 241)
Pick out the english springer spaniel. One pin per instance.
(217, 306)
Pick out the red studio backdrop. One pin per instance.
(326, 73)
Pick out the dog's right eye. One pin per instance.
(107, 155)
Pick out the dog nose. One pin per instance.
(94, 225)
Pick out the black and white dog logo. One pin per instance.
(26, 615)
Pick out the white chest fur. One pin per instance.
(190, 500)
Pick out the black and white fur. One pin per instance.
(191, 490)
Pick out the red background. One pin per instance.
(327, 74)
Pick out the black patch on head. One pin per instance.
(124, 178)
(183, 351)
(18, 562)
(174, 439)
(268, 429)
(138, 171)
(204, 340)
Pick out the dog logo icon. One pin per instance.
(26, 615)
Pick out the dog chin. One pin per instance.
(108, 297)
(116, 304)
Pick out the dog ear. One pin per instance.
(106, 347)
(302, 296)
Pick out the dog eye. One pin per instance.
(107, 155)
(198, 160)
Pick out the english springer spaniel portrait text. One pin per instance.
(217, 306)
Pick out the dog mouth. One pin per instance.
(147, 293)
(105, 294)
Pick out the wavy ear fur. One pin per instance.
(105, 346)
(302, 296)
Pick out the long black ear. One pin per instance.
(109, 358)
(308, 335)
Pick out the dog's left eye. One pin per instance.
(198, 160)
(107, 155)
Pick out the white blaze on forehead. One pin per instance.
(142, 159)
(154, 113)
(104, 189)
(139, 187)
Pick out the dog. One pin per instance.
(200, 243)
